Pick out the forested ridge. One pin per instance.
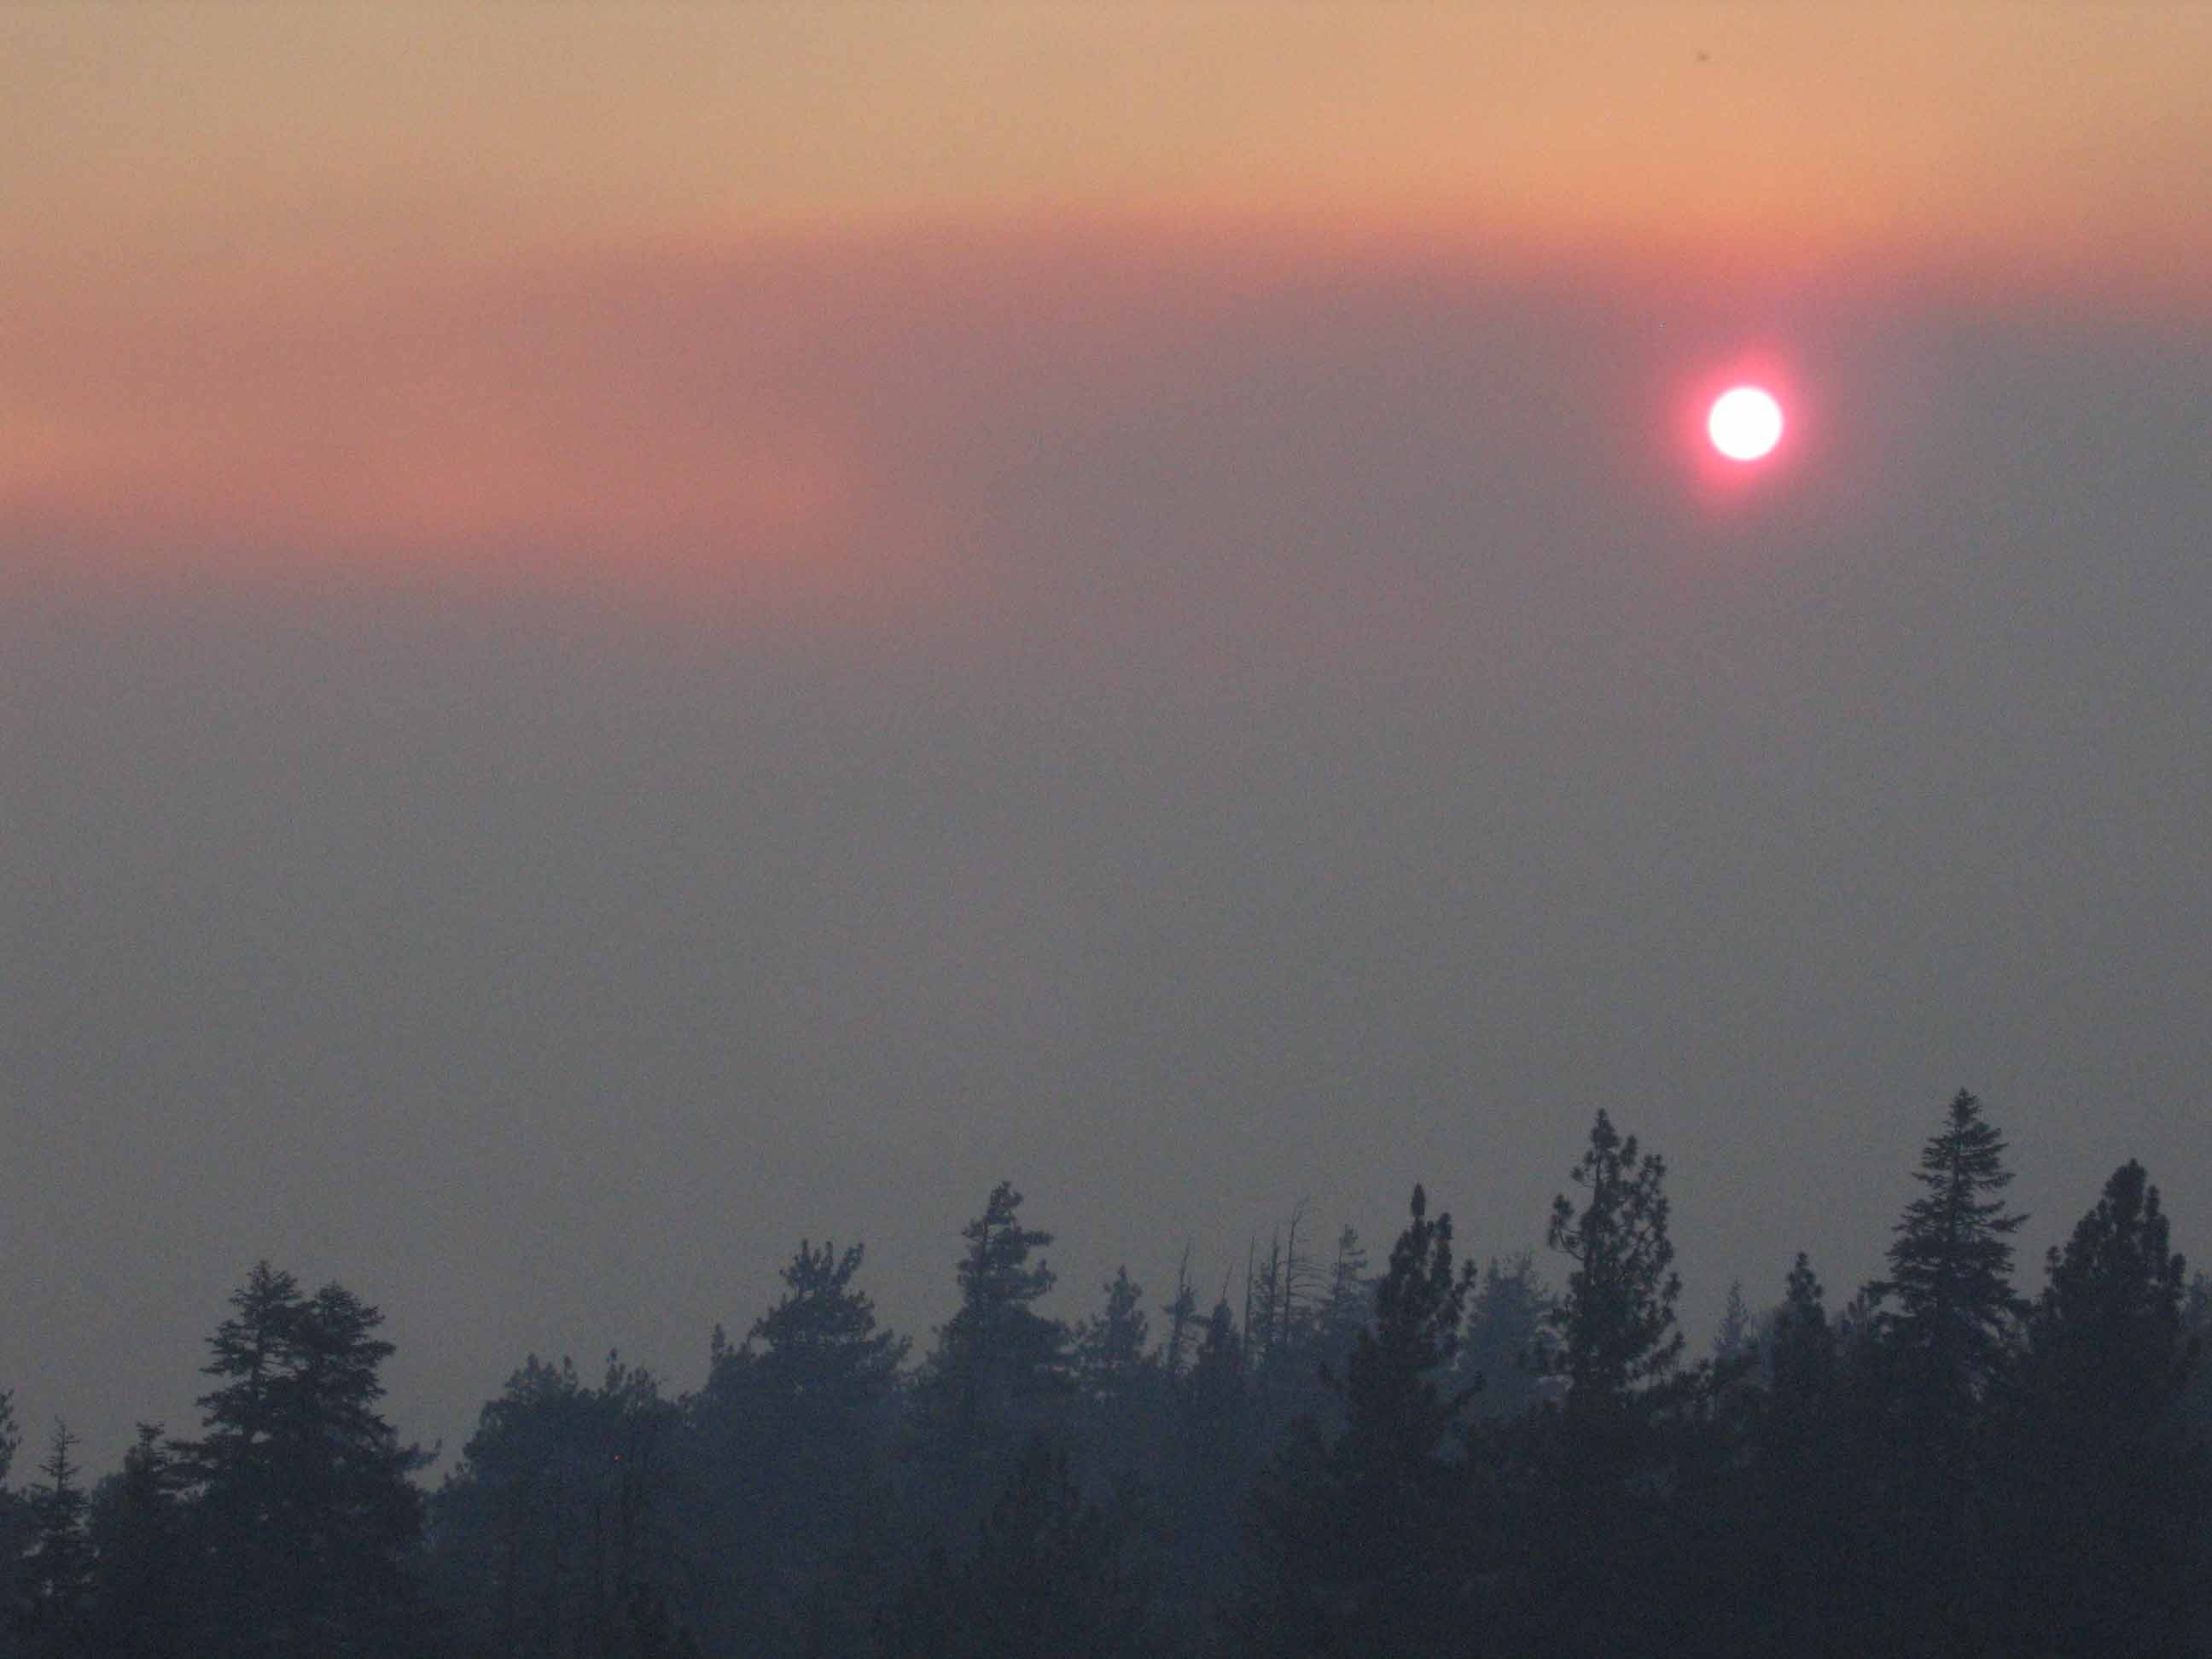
(1329, 1455)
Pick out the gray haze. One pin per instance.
(1346, 750)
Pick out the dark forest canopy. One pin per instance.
(1440, 1457)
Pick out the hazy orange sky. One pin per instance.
(167, 139)
(288, 276)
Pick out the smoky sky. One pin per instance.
(1279, 731)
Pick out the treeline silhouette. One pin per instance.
(1431, 1459)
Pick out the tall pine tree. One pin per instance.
(998, 1374)
(1361, 1550)
(53, 1613)
(1944, 1326)
(1110, 1357)
(1614, 1335)
(142, 1588)
(302, 1498)
(1597, 1526)
(785, 1440)
(2110, 1496)
(1954, 1314)
(997, 1355)
(554, 1533)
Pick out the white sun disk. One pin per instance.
(1744, 423)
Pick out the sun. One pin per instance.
(1745, 422)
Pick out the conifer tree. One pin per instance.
(1956, 1314)
(1398, 1405)
(231, 1472)
(1945, 1323)
(631, 1561)
(554, 1527)
(1110, 1351)
(997, 1350)
(53, 1611)
(511, 1517)
(1612, 1334)
(785, 1440)
(2106, 1344)
(1610, 1456)
(1214, 1447)
(997, 1374)
(142, 1588)
(253, 1351)
(1798, 1527)
(1508, 1314)
(2111, 1497)
(819, 1342)
(1801, 1348)
(1734, 1338)
(1361, 1548)
(301, 1489)
(1121, 1387)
